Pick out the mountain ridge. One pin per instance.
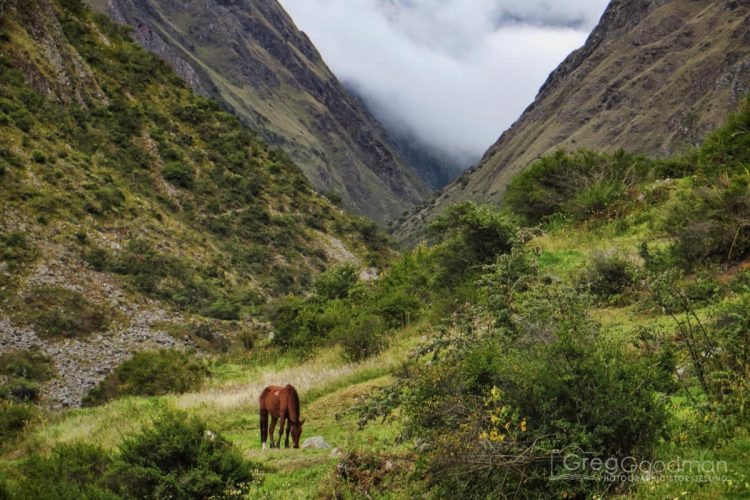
(668, 66)
(250, 55)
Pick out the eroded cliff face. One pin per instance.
(62, 75)
(654, 77)
(250, 55)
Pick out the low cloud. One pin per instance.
(454, 72)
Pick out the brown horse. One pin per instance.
(281, 403)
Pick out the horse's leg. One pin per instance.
(288, 428)
(281, 429)
(263, 428)
(273, 427)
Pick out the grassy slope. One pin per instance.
(327, 387)
(102, 146)
(327, 384)
(330, 386)
(288, 114)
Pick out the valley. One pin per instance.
(161, 263)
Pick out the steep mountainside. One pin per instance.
(654, 77)
(249, 54)
(134, 213)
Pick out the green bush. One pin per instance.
(609, 275)
(727, 150)
(361, 338)
(16, 250)
(31, 364)
(70, 472)
(179, 174)
(180, 458)
(150, 373)
(59, 312)
(20, 390)
(38, 157)
(14, 418)
(97, 258)
(223, 308)
(470, 236)
(336, 283)
(177, 457)
(712, 222)
(578, 184)
(717, 351)
(517, 377)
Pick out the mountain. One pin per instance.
(250, 55)
(134, 213)
(435, 166)
(654, 77)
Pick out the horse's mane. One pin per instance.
(296, 404)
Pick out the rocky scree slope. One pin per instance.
(654, 77)
(135, 214)
(250, 55)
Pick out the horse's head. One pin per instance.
(296, 432)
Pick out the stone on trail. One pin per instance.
(316, 443)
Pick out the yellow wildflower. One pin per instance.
(523, 425)
(495, 393)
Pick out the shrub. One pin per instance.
(70, 472)
(362, 338)
(727, 150)
(150, 373)
(180, 458)
(97, 258)
(337, 282)
(16, 250)
(179, 174)
(38, 157)
(491, 401)
(14, 418)
(289, 317)
(58, 312)
(31, 364)
(20, 389)
(223, 308)
(718, 351)
(579, 184)
(609, 275)
(470, 236)
(177, 457)
(712, 222)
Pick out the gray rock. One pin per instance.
(316, 443)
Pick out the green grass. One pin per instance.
(735, 484)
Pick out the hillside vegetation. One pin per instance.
(135, 211)
(604, 310)
(588, 338)
(251, 57)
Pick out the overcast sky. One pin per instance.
(455, 72)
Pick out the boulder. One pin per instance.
(316, 443)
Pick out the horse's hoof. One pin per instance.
(264, 446)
